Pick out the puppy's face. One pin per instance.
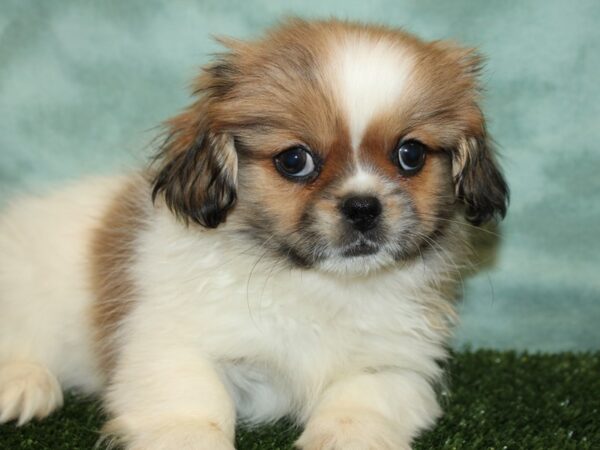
(334, 145)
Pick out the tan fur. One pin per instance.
(112, 252)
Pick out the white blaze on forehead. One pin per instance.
(369, 76)
(362, 180)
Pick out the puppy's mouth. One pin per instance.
(361, 247)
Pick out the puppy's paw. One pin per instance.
(176, 435)
(27, 390)
(358, 430)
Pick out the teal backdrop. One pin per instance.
(84, 83)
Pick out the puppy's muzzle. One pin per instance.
(362, 212)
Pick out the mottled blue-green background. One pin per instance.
(82, 84)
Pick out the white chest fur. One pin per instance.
(278, 335)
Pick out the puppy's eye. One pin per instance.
(411, 156)
(296, 163)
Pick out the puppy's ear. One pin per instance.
(196, 166)
(479, 181)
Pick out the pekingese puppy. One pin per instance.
(292, 251)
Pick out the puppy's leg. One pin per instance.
(169, 398)
(27, 390)
(379, 411)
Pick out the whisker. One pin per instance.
(432, 217)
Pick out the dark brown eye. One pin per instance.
(411, 156)
(296, 163)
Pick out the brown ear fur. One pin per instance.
(479, 181)
(477, 176)
(197, 165)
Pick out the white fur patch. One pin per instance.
(361, 181)
(44, 289)
(369, 76)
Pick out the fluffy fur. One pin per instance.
(212, 288)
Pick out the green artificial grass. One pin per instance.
(495, 400)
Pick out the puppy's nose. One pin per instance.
(361, 211)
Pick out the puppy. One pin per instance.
(292, 251)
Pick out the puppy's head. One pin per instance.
(334, 145)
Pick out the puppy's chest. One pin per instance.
(280, 338)
(296, 330)
(288, 355)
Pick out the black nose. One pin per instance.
(361, 212)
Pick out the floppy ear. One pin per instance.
(196, 166)
(479, 181)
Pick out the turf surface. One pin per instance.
(495, 401)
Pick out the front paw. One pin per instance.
(357, 430)
(176, 435)
(27, 390)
